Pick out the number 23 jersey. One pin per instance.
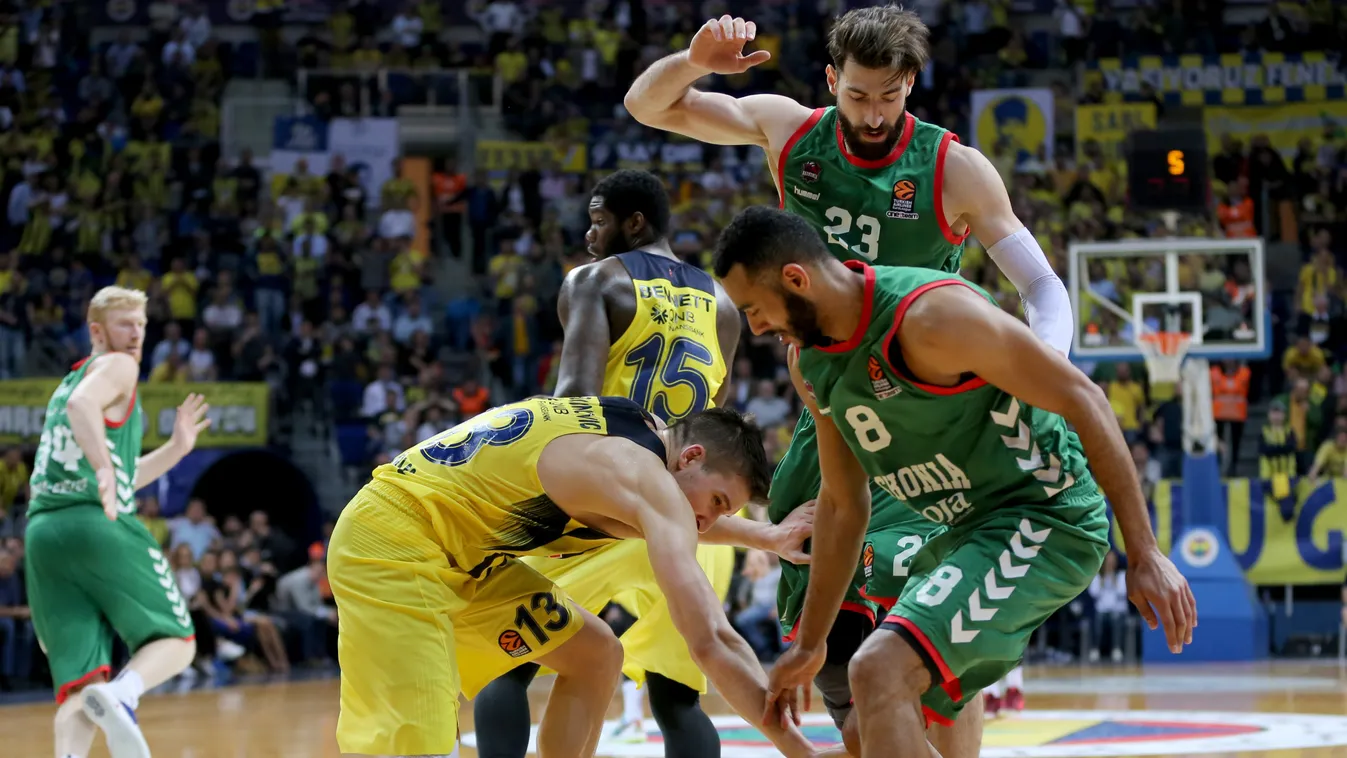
(668, 360)
(888, 211)
(478, 481)
(953, 454)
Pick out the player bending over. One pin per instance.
(642, 324)
(435, 601)
(92, 568)
(921, 383)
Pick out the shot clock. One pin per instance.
(1168, 170)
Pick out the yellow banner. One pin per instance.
(1109, 125)
(496, 155)
(1284, 125)
(1304, 549)
(238, 411)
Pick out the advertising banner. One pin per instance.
(239, 411)
(1232, 79)
(1110, 124)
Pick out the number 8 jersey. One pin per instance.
(887, 211)
(478, 481)
(668, 360)
(953, 454)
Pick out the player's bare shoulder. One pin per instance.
(605, 282)
(778, 116)
(595, 478)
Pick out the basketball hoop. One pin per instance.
(1164, 353)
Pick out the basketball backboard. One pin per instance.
(1213, 289)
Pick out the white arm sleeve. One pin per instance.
(1046, 302)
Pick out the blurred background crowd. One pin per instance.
(384, 296)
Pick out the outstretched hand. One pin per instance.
(793, 531)
(790, 685)
(191, 421)
(718, 46)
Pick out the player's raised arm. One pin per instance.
(975, 194)
(109, 383)
(662, 97)
(190, 421)
(584, 316)
(1001, 350)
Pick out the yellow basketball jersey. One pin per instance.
(478, 482)
(668, 361)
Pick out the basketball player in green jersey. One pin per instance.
(92, 568)
(964, 422)
(883, 187)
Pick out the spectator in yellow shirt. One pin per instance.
(134, 276)
(1128, 399)
(1318, 277)
(171, 371)
(13, 481)
(148, 514)
(180, 286)
(1331, 460)
(1303, 359)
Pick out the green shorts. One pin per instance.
(89, 578)
(893, 530)
(978, 591)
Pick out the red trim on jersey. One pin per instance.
(934, 718)
(790, 145)
(950, 683)
(898, 313)
(69, 688)
(131, 406)
(847, 605)
(867, 305)
(909, 126)
(945, 229)
(886, 603)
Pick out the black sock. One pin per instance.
(685, 727)
(501, 717)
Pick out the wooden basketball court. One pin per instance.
(1230, 710)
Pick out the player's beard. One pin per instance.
(864, 149)
(802, 321)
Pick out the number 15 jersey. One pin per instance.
(889, 211)
(668, 360)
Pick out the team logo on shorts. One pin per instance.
(884, 389)
(511, 642)
(868, 560)
(811, 171)
(904, 196)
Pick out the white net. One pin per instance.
(1164, 353)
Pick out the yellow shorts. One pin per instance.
(416, 631)
(621, 573)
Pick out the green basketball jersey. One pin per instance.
(887, 212)
(62, 476)
(952, 454)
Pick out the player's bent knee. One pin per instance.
(594, 653)
(887, 667)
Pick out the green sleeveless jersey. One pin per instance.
(62, 476)
(887, 212)
(952, 454)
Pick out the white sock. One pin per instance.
(994, 690)
(632, 707)
(128, 687)
(1015, 679)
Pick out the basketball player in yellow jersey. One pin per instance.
(641, 324)
(434, 601)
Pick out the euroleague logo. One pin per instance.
(513, 643)
(881, 385)
(904, 200)
(868, 559)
